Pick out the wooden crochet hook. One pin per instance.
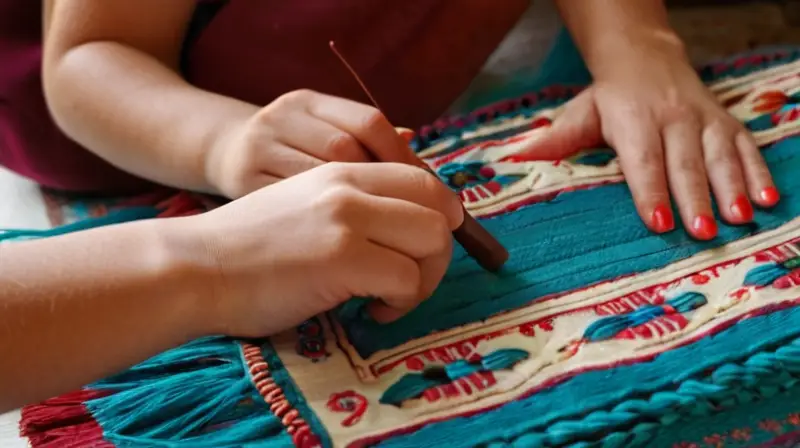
(473, 237)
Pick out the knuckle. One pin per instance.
(427, 182)
(675, 111)
(339, 242)
(441, 236)
(338, 204)
(645, 158)
(300, 96)
(685, 164)
(374, 119)
(293, 99)
(746, 144)
(343, 147)
(719, 157)
(722, 127)
(337, 174)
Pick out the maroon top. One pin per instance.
(416, 56)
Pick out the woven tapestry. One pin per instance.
(596, 333)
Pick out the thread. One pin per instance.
(178, 367)
(764, 275)
(412, 385)
(693, 395)
(572, 242)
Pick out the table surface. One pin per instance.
(21, 206)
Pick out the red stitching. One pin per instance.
(272, 394)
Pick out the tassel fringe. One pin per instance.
(198, 395)
(63, 422)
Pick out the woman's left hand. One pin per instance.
(671, 136)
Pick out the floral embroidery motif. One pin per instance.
(351, 402)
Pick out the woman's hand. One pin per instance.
(297, 132)
(305, 245)
(672, 136)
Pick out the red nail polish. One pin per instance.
(704, 227)
(770, 196)
(662, 220)
(741, 209)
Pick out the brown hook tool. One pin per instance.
(473, 237)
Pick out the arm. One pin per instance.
(74, 310)
(112, 84)
(608, 31)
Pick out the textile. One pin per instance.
(597, 333)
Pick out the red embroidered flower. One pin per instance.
(769, 102)
(700, 279)
(527, 330)
(715, 441)
(741, 435)
(793, 419)
(771, 426)
(546, 325)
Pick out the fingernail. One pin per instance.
(770, 196)
(704, 227)
(407, 134)
(741, 209)
(662, 220)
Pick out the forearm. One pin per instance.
(609, 31)
(84, 306)
(139, 114)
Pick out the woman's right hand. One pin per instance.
(299, 131)
(305, 245)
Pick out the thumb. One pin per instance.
(575, 129)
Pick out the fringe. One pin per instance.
(198, 395)
(63, 422)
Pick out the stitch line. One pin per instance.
(301, 433)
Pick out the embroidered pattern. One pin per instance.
(274, 397)
(311, 340)
(351, 402)
(651, 332)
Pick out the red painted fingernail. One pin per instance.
(741, 209)
(704, 227)
(662, 220)
(770, 196)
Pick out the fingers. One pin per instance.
(759, 181)
(403, 182)
(366, 124)
(642, 161)
(577, 128)
(432, 270)
(414, 230)
(376, 271)
(399, 282)
(282, 161)
(724, 171)
(322, 140)
(687, 177)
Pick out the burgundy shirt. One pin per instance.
(416, 56)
